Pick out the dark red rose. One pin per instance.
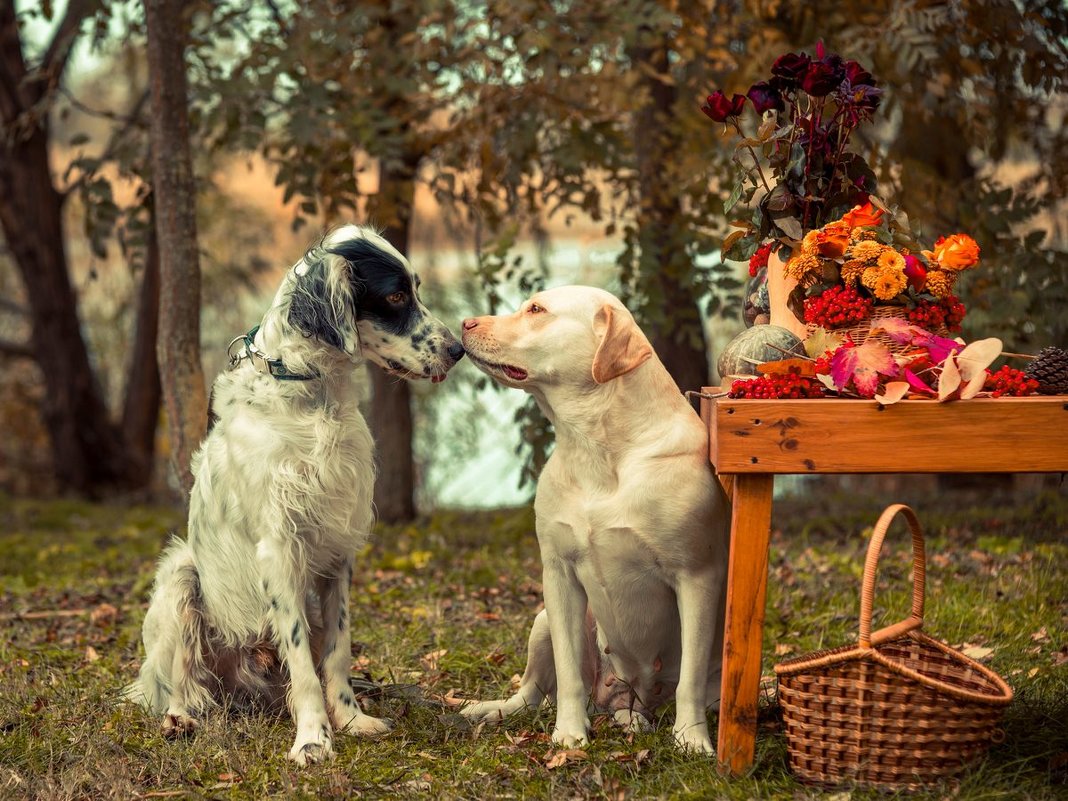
(788, 70)
(718, 107)
(823, 77)
(857, 75)
(764, 97)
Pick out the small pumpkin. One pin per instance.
(756, 345)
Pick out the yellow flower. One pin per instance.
(863, 235)
(939, 283)
(890, 259)
(851, 271)
(867, 251)
(885, 284)
(800, 266)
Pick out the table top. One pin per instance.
(831, 435)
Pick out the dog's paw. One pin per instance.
(311, 753)
(572, 735)
(367, 726)
(484, 711)
(178, 724)
(632, 721)
(694, 739)
(312, 746)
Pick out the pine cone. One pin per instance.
(1050, 370)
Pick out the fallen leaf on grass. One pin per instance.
(977, 651)
(432, 660)
(782, 649)
(556, 759)
(496, 657)
(103, 615)
(1041, 635)
(90, 654)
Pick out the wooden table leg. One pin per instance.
(747, 584)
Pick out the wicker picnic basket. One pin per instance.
(898, 709)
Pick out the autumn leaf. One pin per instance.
(949, 379)
(863, 364)
(895, 391)
(977, 651)
(782, 366)
(560, 758)
(918, 384)
(431, 660)
(820, 341)
(972, 363)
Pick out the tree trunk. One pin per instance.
(87, 451)
(140, 413)
(391, 401)
(675, 326)
(174, 190)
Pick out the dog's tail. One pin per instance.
(175, 637)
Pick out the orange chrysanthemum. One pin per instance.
(957, 252)
(891, 260)
(885, 284)
(862, 234)
(867, 251)
(939, 283)
(852, 270)
(802, 265)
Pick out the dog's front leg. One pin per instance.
(698, 602)
(565, 605)
(285, 592)
(345, 712)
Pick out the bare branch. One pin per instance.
(16, 350)
(130, 121)
(59, 49)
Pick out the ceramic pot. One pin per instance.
(779, 289)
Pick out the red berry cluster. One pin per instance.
(780, 385)
(1010, 381)
(759, 259)
(948, 312)
(836, 307)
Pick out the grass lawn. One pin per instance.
(441, 609)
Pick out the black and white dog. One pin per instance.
(255, 600)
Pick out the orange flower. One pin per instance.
(939, 284)
(861, 216)
(958, 252)
(833, 241)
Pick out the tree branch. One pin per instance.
(129, 122)
(16, 350)
(59, 49)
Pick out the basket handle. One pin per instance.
(919, 571)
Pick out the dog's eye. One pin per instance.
(397, 297)
(534, 308)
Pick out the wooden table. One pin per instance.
(752, 440)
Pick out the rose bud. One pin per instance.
(822, 77)
(718, 107)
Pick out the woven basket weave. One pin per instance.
(898, 709)
(859, 331)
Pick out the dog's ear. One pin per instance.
(623, 346)
(323, 303)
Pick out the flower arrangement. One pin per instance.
(801, 166)
(851, 265)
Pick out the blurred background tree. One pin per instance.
(525, 118)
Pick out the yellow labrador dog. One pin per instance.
(632, 524)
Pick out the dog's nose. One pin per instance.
(470, 323)
(456, 351)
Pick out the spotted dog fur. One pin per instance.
(253, 605)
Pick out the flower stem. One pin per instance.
(752, 153)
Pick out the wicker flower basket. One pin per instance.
(898, 709)
(859, 331)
